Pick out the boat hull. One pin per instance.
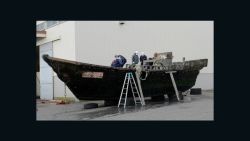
(81, 80)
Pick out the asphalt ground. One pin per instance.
(194, 107)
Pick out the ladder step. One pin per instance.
(129, 78)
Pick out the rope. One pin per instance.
(145, 76)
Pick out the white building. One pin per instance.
(97, 42)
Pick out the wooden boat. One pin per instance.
(96, 82)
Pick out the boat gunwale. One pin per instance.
(84, 64)
(52, 59)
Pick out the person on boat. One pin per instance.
(123, 60)
(117, 62)
(135, 58)
(155, 55)
(142, 57)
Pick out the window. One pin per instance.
(40, 26)
(51, 23)
(47, 24)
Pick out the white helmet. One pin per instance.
(136, 52)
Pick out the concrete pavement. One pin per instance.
(194, 107)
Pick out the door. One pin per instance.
(46, 73)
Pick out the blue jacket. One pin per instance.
(117, 63)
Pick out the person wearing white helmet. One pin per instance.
(142, 57)
(135, 58)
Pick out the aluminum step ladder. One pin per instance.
(129, 79)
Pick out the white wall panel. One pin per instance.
(98, 41)
(46, 74)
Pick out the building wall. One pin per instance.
(205, 81)
(37, 84)
(63, 38)
(98, 41)
(38, 22)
